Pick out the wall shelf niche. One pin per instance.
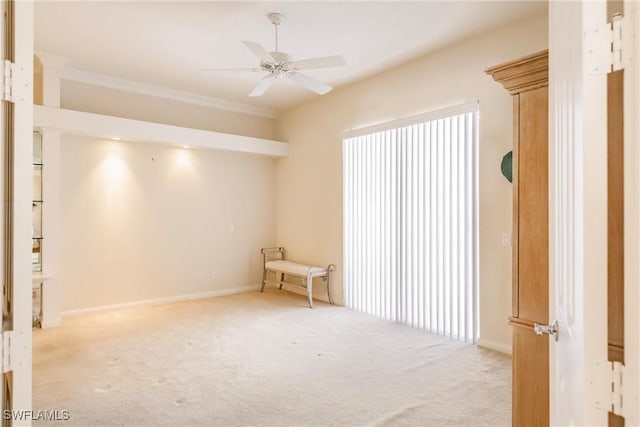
(37, 237)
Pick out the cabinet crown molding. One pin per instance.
(521, 75)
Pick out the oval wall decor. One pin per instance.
(507, 166)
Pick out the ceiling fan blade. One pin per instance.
(310, 83)
(262, 86)
(232, 69)
(259, 51)
(321, 62)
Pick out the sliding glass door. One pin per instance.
(410, 222)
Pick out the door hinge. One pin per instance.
(7, 341)
(606, 49)
(617, 388)
(15, 83)
(606, 382)
(16, 350)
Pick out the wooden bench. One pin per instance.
(275, 260)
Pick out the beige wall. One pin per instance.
(143, 221)
(101, 100)
(309, 181)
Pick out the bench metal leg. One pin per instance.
(330, 268)
(329, 288)
(281, 280)
(310, 290)
(264, 279)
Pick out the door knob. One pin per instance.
(551, 329)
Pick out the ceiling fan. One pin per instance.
(279, 65)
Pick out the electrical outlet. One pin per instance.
(506, 239)
(214, 275)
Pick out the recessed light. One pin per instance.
(186, 146)
(116, 138)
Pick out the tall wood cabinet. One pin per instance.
(526, 79)
(615, 223)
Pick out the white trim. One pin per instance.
(38, 277)
(73, 74)
(52, 323)
(158, 301)
(101, 126)
(495, 346)
(21, 351)
(440, 113)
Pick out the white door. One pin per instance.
(579, 372)
(16, 186)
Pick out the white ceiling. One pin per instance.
(167, 43)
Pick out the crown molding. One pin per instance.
(521, 75)
(74, 74)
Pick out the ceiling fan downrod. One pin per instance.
(276, 19)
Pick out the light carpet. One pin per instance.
(263, 360)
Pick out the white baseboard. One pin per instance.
(157, 301)
(494, 345)
(52, 324)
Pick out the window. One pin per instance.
(410, 222)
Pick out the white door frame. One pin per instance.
(580, 376)
(19, 352)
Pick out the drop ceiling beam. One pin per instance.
(102, 126)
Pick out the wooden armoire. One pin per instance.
(527, 79)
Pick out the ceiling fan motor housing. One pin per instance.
(281, 64)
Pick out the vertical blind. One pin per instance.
(411, 223)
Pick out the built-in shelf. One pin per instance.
(37, 204)
(39, 278)
(37, 292)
